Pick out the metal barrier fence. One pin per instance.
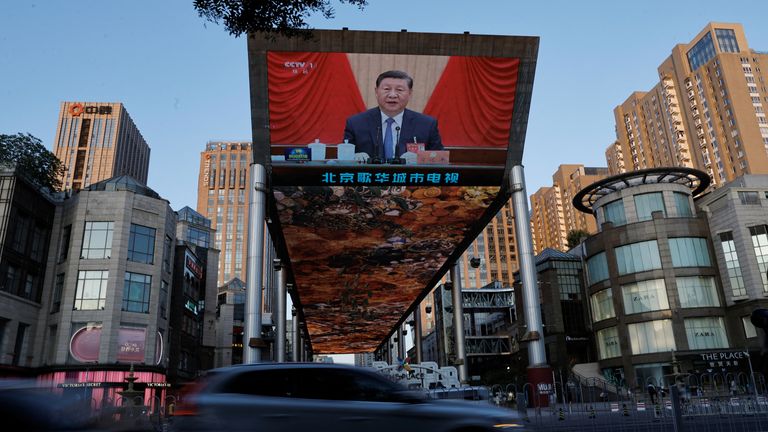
(692, 403)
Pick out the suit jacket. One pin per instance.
(364, 131)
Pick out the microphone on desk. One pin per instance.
(397, 139)
(377, 157)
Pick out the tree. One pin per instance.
(32, 159)
(274, 17)
(575, 237)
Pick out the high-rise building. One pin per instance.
(553, 216)
(222, 197)
(96, 141)
(491, 258)
(706, 111)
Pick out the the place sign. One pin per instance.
(724, 355)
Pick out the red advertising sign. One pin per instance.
(85, 342)
(131, 344)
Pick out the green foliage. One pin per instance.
(32, 159)
(575, 237)
(270, 16)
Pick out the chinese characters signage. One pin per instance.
(387, 178)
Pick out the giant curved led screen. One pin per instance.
(364, 242)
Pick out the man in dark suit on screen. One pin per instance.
(383, 132)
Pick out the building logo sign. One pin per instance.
(724, 355)
(299, 67)
(194, 267)
(206, 168)
(75, 110)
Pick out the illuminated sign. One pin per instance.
(131, 344)
(191, 306)
(81, 385)
(298, 154)
(724, 355)
(385, 178)
(77, 109)
(194, 267)
(206, 168)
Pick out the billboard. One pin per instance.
(362, 242)
(312, 94)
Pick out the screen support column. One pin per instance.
(539, 372)
(255, 266)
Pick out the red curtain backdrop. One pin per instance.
(310, 96)
(473, 101)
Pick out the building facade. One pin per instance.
(707, 111)
(553, 216)
(26, 223)
(738, 223)
(568, 339)
(222, 196)
(652, 278)
(96, 141)
(108, 289)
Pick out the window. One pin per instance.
(141, 245)
(91, 291)
(39, 243)
(702, 52)
(726, 40)
(12, 280)
(21, 230)
(167, 253)
(66, 233)
(58, 288)
(683, 204)
(645, 296)
(697, 291)
(163, 299)
(18, 346)
(749, 329)
(760, 245)
(651, 336)
(732, 264)
(608, 343)
(136, 292)
(597, 268)
(638, 257)
(706, 333)
(97, 240)
(749, 198)
(614, 212)
(602, 305)
(648, 203)
(689, 252)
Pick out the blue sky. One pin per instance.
(185, 82)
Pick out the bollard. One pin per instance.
(560, 414)
(656, 412)
(592, 412)
(625, 410)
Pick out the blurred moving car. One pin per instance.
(26, 407)
(325, 397)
